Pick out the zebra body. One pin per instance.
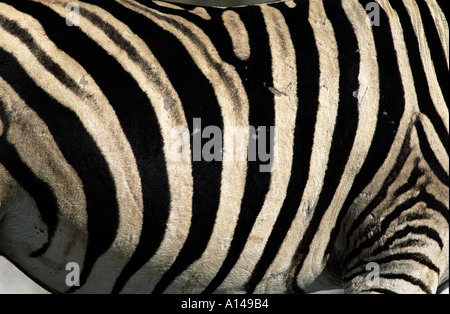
(87, 115)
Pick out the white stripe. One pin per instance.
(238, 34)
(435, 143)
(199, 11)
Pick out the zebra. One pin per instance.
(92, 91)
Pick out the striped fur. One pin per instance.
(87, 115)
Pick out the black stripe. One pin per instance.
(405, 152)
(254, 76)
(407, 242)
(420, 80)
(436, 48)
(40, 191)
(80, 150)
(410, 217)
(417, 257)
(410, 279)
(307, 58)
(391, 108)
(425, 230)
(414, 176)
(435, 205)
(344, 133)
(137, 119)
(429, 155)
(379, 290)
(444, 4)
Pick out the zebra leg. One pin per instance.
(403, 244)
(402, 269)
(413, 259)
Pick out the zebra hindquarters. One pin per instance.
(399, 242)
